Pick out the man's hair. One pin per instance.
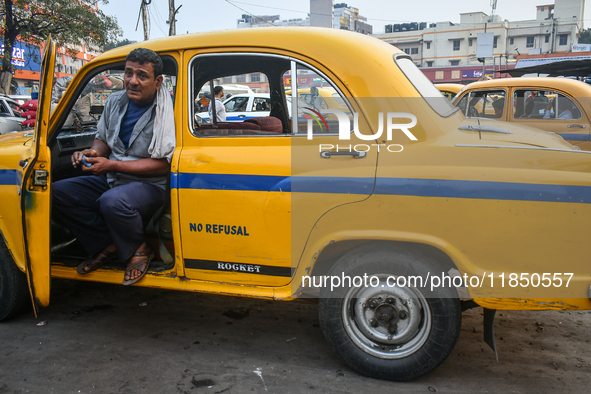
(144, 55)
(217, 90)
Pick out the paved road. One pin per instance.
(111, 339)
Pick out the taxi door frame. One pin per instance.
(36, 194)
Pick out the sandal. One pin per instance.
(147, 255)
(93, 263)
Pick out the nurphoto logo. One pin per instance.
(345, 129)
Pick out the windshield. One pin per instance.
(430, 93)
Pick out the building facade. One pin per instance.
(322, 14)
(445, 44)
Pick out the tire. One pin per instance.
(14, 291)
(389, 332)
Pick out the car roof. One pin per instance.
(450, 87)
(575, 88)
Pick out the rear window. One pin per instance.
(430, 93)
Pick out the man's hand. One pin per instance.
(77, 156)
(98, 165)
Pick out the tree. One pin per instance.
(118, 44)
(585, 36)
(67, 21)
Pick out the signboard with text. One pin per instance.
(24, 56)
(581, 47)
(475, 73)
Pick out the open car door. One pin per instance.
(35, 191)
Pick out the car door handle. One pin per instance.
(580, 126)
(241, 116)
(327, 154)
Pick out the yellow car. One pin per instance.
(449, 90)
(397, 214)
(559, 105)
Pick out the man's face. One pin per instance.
(140, 84)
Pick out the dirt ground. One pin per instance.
(103, 338)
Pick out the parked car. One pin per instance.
(559, 105)
(241, 107)
(449, 90)
(20, 98)
(379, 214)
(10, 115)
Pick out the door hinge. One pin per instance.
(40, 177)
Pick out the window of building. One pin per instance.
(455, 62)
(542, 9)
(496, 39)
(241, 78)
(530, 42)
(429, 64)
(227, 80)
(414, 51)
(456, 45)
(470, 42)
(563, 39)
(547, 38)
(428, 45)
(511, 41)
(255, 77)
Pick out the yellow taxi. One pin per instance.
(559, 105)
(449, 90)
(397, 213)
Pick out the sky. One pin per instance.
(206, 15)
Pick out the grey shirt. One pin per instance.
(139, 142)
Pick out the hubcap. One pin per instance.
(389, 322)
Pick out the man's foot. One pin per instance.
(97, 260)
(138, 264)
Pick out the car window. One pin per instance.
(16, 109)
(544, 104)
(236, 104)
(4, 109)
(316, 101)
(483, 104)
(265, 74)
(425, 87)
(261, 104)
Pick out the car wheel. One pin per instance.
(383, 330)
(14, 291)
